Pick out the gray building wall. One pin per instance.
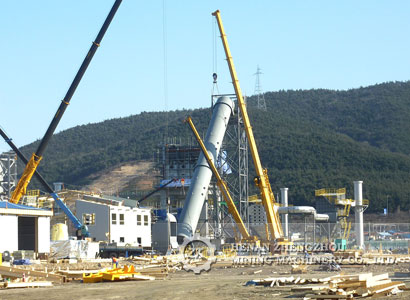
(102, 218)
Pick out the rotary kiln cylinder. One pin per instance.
(201, 178)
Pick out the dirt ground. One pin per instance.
(117, 178)
(226, 283)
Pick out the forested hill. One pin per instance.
(308, 139)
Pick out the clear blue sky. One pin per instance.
(297, 44)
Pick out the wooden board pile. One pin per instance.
(158, 267)
(337, 287)
(289, 280)
(23, 278)
(159, 272)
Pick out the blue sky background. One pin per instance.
(297, 44)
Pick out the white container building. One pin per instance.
(116, 223)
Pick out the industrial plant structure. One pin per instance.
(203, 192)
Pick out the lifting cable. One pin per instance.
(215, 57)
(165, 58)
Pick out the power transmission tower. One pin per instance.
(258, 90)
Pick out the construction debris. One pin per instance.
(337, 287)
(13, 285)
(78, 274)
(118, 274)
(10, 272)
(299, 269)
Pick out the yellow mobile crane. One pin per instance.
(261, 180)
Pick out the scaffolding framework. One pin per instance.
(235, 146)
(176, 159)
(342, 205)
(179, 160)
(8, 174)
(243, 171)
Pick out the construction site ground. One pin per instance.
(218, 283)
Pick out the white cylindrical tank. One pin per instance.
(358, 197)
(198, 189)
(284, 201)
(59, 232)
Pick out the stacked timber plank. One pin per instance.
(337, 287)
(158, 267)
(158, 272)
(25, 278)
(362, 285)
(288, 280)
(15, 273)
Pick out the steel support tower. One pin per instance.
(8, 173)
(234, 166)
(243, 170)
(258, 90)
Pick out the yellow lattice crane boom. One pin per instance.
(261, 180)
